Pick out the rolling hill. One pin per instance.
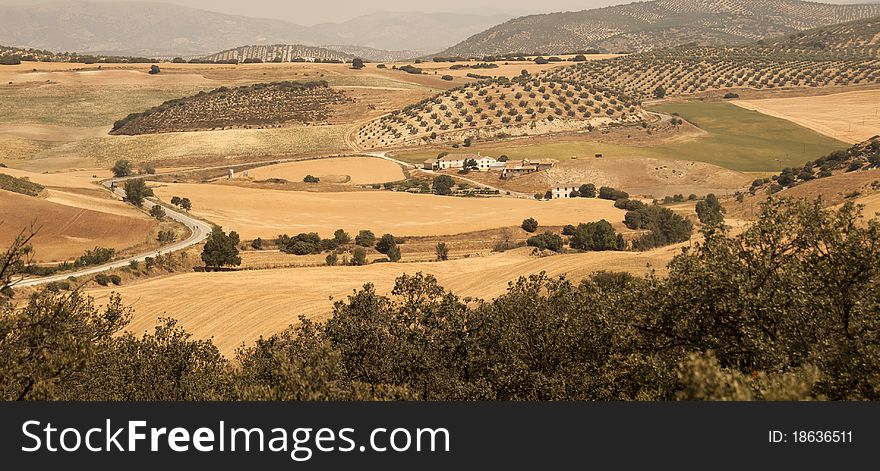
(702, 70)
(861, 35)
(262, 104)
(278, 53)
(498, 108)
(657, 24)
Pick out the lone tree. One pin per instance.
(365, 238)
(709, 211)
(136, 191)
(530, 225)
(443, 184)
(394, 253)
(122, 168)
(659, 92)
(154, 69)
(358, 256)
(221, 249)
(386, 243)
(442, 252)
(157, 211)
(175, 200)
(311, 179)
(357, 63)
(341, 237)
(186, 204)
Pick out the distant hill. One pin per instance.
(376, 55)
(291, 52)
(696, 70)
(859, 34)
(425, 32)
(279, 53)
(142, 28)
(657, 24)
(15, 55)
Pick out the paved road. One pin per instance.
(199, 231)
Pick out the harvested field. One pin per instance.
(238, 307)
(354, 170)
(65, 231)
(197, 147)
(83, 179)
(850, 117)
(267, 213)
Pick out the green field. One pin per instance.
(735, 138)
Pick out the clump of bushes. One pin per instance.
(546, 241)
(529, 225)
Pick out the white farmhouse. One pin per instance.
(484, 163)
(563, 190)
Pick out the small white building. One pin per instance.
(563, 190)
(484, 163)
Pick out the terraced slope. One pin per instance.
(261, 104)
(644, 26)
(697, 70)
(497, 108)
(278, 53)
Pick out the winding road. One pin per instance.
(199, 231)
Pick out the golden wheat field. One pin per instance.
(65, 231)
(354, 170)
(267, 213)
(236, 308)
(850, 116)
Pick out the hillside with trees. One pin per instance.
(657, 24)
(278, 53)
(17, 55)
(860, 35)
(500, 108)
(699, 70)
(262, 104)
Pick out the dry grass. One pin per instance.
(636, 175)
(267, 213)
(354, 170)
(850, 117)
(66, 231)
(82, 179)
(207, 144)
(236, 308)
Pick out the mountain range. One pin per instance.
(155, 29)
(657, 24)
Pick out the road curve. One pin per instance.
(199, 231)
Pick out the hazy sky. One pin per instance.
(308, 12)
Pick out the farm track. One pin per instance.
(199, 231)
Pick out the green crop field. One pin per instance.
(735, 138)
